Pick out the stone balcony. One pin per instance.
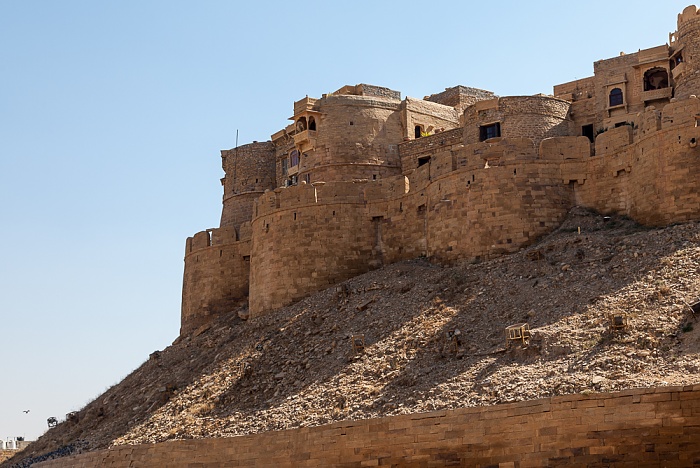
(306, 138)
(656, 94)
(678, 70)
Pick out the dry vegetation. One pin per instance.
(295, 367)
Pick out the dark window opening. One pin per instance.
(285, 164)
(246, 258)
(294, 158)
(421, 209)
(587, 131)
(374, 176)
(423, 160)
(307, 178)
(295, 216)
(489, 131)
(620, 124)
(655, 78)
(351, 123)
(418, 131)
(312, 124)
(400, 207)
(301, 124)
(677, 60)
(616, 98)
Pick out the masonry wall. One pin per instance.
(640, 427)
(651, 180)
(688, 38)
(410, 151)
(216, 275)
(356, 137)
(534, 117)
(250, 170)
(306, 238)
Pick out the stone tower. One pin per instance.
(250, 170)
(685, 54)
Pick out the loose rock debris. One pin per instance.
(294, 368)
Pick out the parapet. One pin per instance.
(460, 97)
(368, 90)
(688, 14)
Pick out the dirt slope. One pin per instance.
(296, 367)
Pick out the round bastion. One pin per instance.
(534, 117)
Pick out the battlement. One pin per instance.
(689, 13)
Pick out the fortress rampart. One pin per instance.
(639, 427)
(363, 178)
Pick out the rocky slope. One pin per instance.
(296, 366)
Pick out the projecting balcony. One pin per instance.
(305, 137)
(656, 94)
(678, 70)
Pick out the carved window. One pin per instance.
(489, 131)
(655, 78)
(294, 158)
(616, 97)
(301, 124)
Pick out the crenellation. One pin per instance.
(362, 177)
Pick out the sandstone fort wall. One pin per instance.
(362, 178)
(216, 275)
(640, 427)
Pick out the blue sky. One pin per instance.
(112, 115)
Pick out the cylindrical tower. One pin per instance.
(534, 117)
(250, 170)
(685, 58)
(353, 137)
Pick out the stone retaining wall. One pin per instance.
(634, 428)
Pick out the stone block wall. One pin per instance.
(533, 117)
(410, 151)
(639, 427)
(460, 97)
(307, 238)
(250, 170)
(688, 39)
(216, 275)
(650, 180)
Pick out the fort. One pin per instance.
(361, 177)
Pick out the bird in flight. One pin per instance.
(26, 411)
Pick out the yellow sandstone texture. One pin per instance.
(362, 178)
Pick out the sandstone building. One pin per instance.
(362, 177)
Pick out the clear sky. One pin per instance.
(112, 115)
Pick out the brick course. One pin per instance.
(639, 427)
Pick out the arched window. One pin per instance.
(312, 124)
(616, 98)
(655, 78)
(301, 124)
(294, 158)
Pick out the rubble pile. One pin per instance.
(434, 338)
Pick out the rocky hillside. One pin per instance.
(434, 338)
